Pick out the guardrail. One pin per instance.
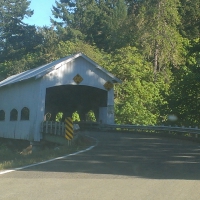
(58, 128)
(154, 128)
(90, 125)
(168, 130)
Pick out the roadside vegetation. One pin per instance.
(152, 46)
(17, 153)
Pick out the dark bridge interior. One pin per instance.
(70, 98)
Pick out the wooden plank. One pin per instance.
(51, 127)
(55, 128)
(63, 128)
(59, 129)
(46, 123)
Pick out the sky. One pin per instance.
(42, 12)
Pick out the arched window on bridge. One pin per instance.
(59, 116)
(2, 115)
(90, 116)
(75, 116)
(13, 115)
(47, 117)
(25, 113)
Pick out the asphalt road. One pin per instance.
(121, 166)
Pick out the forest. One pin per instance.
(153, 46)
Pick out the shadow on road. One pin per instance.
(133, 155)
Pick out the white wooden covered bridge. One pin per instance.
(73, 83)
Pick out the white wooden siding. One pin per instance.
(18, 96)
(64, 75)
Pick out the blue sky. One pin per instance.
(42, 12)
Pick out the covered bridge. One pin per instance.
(73, 83)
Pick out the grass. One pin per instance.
(12, 157)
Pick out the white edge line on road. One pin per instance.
(47, 161)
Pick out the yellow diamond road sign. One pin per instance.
(108, 85)
(78, 79)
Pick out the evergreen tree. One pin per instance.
(64, 10)
(133, 6)
(97, 21)
(158, 35)
(190, 18)
(16, 37)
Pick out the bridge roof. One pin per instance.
(45, 69)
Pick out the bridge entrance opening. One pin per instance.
(71, 98)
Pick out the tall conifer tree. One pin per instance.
(16, 37)
(190, 18)
(98, 21)
(158, 34)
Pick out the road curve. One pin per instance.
(122, 166)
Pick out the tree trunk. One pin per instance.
(155, 60)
